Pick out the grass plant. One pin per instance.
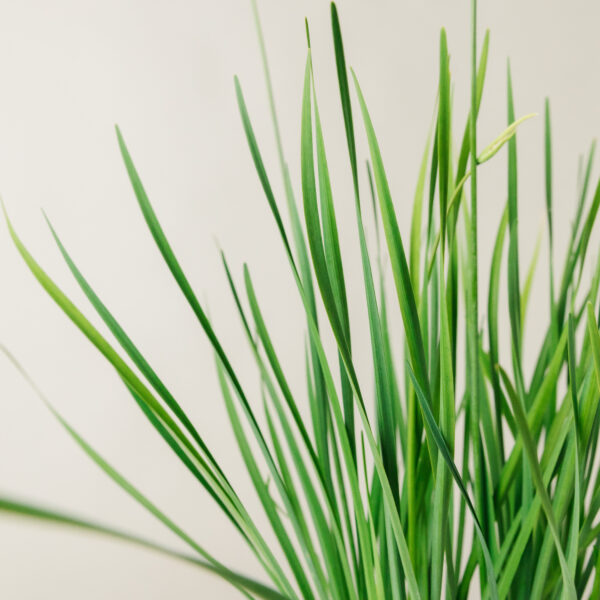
(402, 486)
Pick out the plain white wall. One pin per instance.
(164, 71)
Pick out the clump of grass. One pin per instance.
(377, 507)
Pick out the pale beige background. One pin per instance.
(163, 71)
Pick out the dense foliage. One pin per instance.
(414, 488)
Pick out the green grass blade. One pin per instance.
(318, 415)
(303, 279)
(342, 74)
(526, 292)
(493, 296)
(177, 272)
(260, 168)
(416, 220)
(444, 451)
(345, 446)
(472, 314)
(126, 486)
(333, 260)
(324, 284)
(313, 226)
(24, 509)
(132, 350)
(535, 416)
(531, 453)
(269, 505)
(443, 133)
(404, 290)
(464, 154)
(400, 269)
(313, 502)
(124, 371)
(511, 552)
(384, 406)
(514, 294)
(548, 170)
(572, 360)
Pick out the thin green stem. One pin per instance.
(472, 309)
